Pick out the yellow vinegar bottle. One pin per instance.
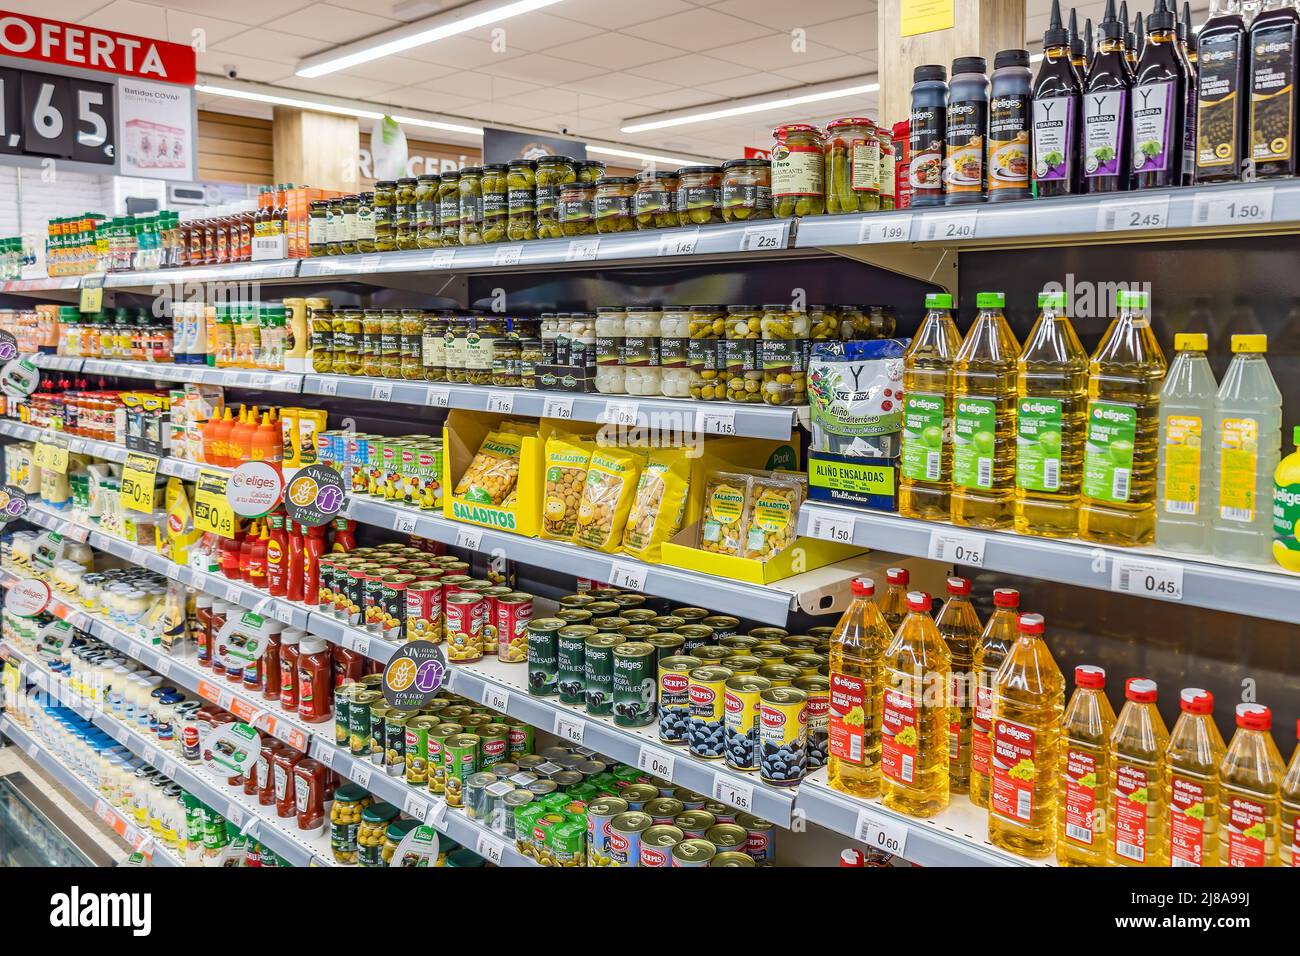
(1122, 448)
(991, 650)
(1195, 752)
(914, 715)
(1137, 790)
(925, 473)
(1250, 782)
(960, 628)
(1051, 403)
(894, 603)
(1028, 701)
(984, 419)
(1290, 849)
(1083, 811)
(856, 680)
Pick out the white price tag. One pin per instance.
(471, 539)
(737, 793)
(957, 547)
(621, 413)
(881, 832)
(283, 612)
(164, 667)
(654, 761)
(323, 750)
(369, 263)
(328, 386)
(582, 250)
(630, 577)
(491, 849)
(1147, 578)
(404, 524)
(716, 421)
(235, 814)
(1238, 206)
(442, 259)
(437, 813)
(168, 767)
(679, 243)
(500, 403)
(837, 528)
(149, 755)
(259, 381)
(76, 446)
(949, 226)
(224, 699)
(416, 806)
(1124, 215)
(174, 571)
(508, 255)
(437, 397)
(357, 642)
(381, 392)
(885, 229)
(495, 699)
(233, 594)
(570, 729)
(558, 406)
(359, 774)
(763, 238)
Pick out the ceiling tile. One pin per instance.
(124, 16)
(324, 21)
(748, 85)
(464, 52)
(615, 51)
(540, 68)
(852, 34)
(269, 45)
(615, 16)
(513, 115)
(611, 112)
(698, 29)
(546, 100)
(71, 10)
(247, 67)
(671, 100)
(428, 101)
(692, 69)
(252, 12)
(620, 86)
(537, 31)
(838, 67)
(774, 52)
(343, 84)
(785, 16)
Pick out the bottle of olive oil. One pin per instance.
(1220, 118)
(1056, 114)
(925, 485)
(1273, 75)
(1104, 141)
(1159, 102)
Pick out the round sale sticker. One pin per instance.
(314, 496)
(13, 503)
(228, 750)
(414, 674)
(27, 597)
(8, 346)
(254, 489)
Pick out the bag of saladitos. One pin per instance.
(492, 473)
(607, 496)
(750, 514)
(660, 503)
(567, 458)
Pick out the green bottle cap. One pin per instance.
(1129, 299)
(990, 300)
(938, 300)
(1051, 300)
(1295, 435)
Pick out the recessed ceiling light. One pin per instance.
(633, 154)
(751, 105)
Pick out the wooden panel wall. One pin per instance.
(234, 149)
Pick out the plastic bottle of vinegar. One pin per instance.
(1121, 451)
(894, 604)
(1028, 701)
(994, 643)
(1290, 849)
(1183, 510)
(984, 419)
(914, 715)
(1137, 790)
(1250, 781)
(960, 627)
(1052, 400)
(856, 680)
(1082, 831)
(1195, 752)
(925, 483)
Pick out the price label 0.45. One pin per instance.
(1147, 578)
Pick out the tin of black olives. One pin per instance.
(571, 662)
(600, 673)
(634, 684)
(543, 655)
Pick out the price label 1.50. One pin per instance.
(837, 528)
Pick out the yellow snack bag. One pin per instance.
(660, 504)
(607, 497)
(523, 429)
(491, 475)
(567, 458)
(774, 502)
(726, 512)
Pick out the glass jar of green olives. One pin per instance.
(887, 168)
(530, 356)
(654, 201)
(348, 234)
(495, 202)
(614, 204)
(698, 199)
(322, 340)
(317, 227)
(578, 209)
(505, 363)
(390, 343)
(740, 354)
(590, 171)
(385, 216)
(471, 206)
(449, 209)
(404, 214)
(479, 348)
(521, 181)
(552, 173)
(824, 323)
(433, 347)
(365, 225)
(746, 189)
(781, 355)
(456, 338)
(348, 333)
(852, 152)
(798, 171)
(372, 330)
(333, 225)
(426, 212)
(412, 344)
(706, 325)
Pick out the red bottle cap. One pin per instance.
(918, 601)
(1031, 624)
(1140, 690)
(863, 587)
(1254, 717)
(852, 857)
(1090, 676)
(1006, 597)
(1195, 700)
(959, 587)
(897, 576)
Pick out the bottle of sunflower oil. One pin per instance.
(1082, 831)
(1195, 752)
(925, 482)
(1052, 399)
(1122, 450)
(984, 419)
(914, 715)
(1137, 790)
(960, 628)
(1290, 849)
(1028, 701)
(994, 643)
(894, 603)
(1250, 801)
(856, 680)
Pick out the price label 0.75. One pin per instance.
(956, 547)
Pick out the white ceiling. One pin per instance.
(583, 66)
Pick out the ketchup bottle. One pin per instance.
(257, 558)
(245, 552)
(289, 668)
(313, 548)
(345, 535)
(315, 680)
(295, 578)
(229, 553)
(349, 666)
(277, 556)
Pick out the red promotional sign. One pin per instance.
(90, 48)
(753, 152)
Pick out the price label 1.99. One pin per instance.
(885, 229)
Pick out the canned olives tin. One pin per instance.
(742, 665)
(438, 736)
(666, 645)
(603, 609)
(781, 675)
(513, 612)
(663, 809)
(521, 738)
(723, 625)
(417, 749)
(769, 653)
(395, 724)
(733, 859)
(766, 635)
(571, 662)
(625, 837)
(575, 600)
(567, 779)
(591, 768)
(727, 836)
(722, 813)
(807, 662)
(695, 636)
(657, 843)
(708, 708)
(628, 600)
(783, 736)
(637, 615)
(760, 840)
(675, 698)
(634, 684)
(574, 615)
(817, 688)
(694, 851)
(567, 844)
(638, 632)
(821, 632)
(638, 795)
(379, 714)
(600, 812)
(610, 623)
(459, 760)
(342, 705)
(494, 744)
(463, 614)
(695, 823)
(543, 655)
(359, 720)
(692, 615)
(740, 643)
(711, 654)
(741, 740)
(800, 642)
(492, 593)
(424, 611)
(600, 673)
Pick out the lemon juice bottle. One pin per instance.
(914, 715)
(1250, 781)
(1121, 451)
(925, 482)
(894, 604)
(856, 679)
(960, 628)
(1028, 701)
(1183, 512)
(1286, 508)
(1052, 399)
(1137, 790)
(984, 419)
(1083, 777)
(1290, 849)
(991, 650)
(1195, 752)
(1248, 436)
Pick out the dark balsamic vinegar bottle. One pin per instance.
(1057, 90)
(1274, 73)
(1222, 94)
(1104, 150)
(1157, 105)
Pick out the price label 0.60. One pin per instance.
(881, 832)
(656, 762)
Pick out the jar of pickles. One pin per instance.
(614, 204)
(590, 171)
(365, 225)
(674, 337)
(433, 347)
(578, 209)
(333, 225)
(654, 201)
(706, 325)
(348, 335)
(609, 350)
(385, 214)
(372, 328)
(317, 227)
(852, 163)
(390, 343)
(887, 166)
(370, 834)
(426, 212)
(699, 198)
(641, 371)
(471, 206)
(798, 171)
(322, 340)
(505, 363)
(479, 348)
(552, 173)
(495, 202)
(412, 344)
(740, 354)
(350, 802)
(521, 211)
(348, 205)
(823, 323)
(575, 345)
(782, 355)
(746, 189)
(404, 214)
(453, 354)
(530, 356)
(449, 209)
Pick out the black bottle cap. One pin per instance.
(1185, 31)
(1111, 27)
(1010, 58)
(969, 64)
(1123, 15)
(1088, 35)
(1161, 18)
(1055, 34)
(1139, 32)
(929, 71)
(1076, 41)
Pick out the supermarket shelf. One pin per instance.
(41, 284)
(60, 363)
(269, 270)
(1221, 586)
(136, 838)
(109, 451)
(955, 837)
(168, 372)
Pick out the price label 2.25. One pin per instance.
(1146, 578)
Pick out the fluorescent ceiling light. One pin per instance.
(739, 108)
(438, 124)
(320, 107)
(633, 154)
(421, 32)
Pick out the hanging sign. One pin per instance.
(27, 597)
(229, 750)
(8, 346)
(254, 489)
(93, 48)
(314, 496)
(13, 504)
(414, 674)
(19, 377)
